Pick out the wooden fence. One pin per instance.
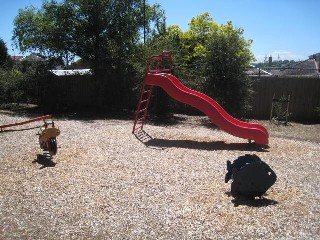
(304, 96)
(67, 92)
(78, 91)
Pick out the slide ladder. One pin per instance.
(156, 64)
(142, 110)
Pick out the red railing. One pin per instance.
(24, 122)
(160, 63)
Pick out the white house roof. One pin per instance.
(72, 72)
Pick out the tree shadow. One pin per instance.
(45, 160)
(18, 110)
(84, 114)
(251, 202)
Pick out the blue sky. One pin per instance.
(284, 29)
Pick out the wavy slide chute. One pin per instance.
(209, 107)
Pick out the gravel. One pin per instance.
(106, 184)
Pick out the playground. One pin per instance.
(106, 184)
(126, 177)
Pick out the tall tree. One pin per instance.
(228, 56)
(216, 60)
(195, 38)
(4, 56)
(212, 58)
(104, 33)
(97, 31)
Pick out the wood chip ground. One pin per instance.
(106, 184)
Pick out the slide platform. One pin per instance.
(209, 107)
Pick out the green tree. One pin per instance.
(104, 33)
(228, 56)
(195, 39)
(98, 31)
(166, 39)
(5, 60)
(211, 58)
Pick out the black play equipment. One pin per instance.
(251, 177)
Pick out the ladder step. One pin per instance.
(141, 119)
(140, 127)
(142, 110)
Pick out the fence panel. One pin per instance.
(304, 96)
(78, 92)
(67, 92)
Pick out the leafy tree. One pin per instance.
(228, 56)
(5, 60)
(104, 33)
(195, 39)
(167, 39)
(211, 58)
(15, 87)
(97, 31)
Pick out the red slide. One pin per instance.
(208, 106)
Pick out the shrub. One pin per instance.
(16, 87)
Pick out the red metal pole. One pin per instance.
(24, 122)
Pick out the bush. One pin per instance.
(5, 60)
(227, 58)
(16, 87)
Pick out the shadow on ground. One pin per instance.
(251, 202)
(158, 143)
(191, 144)
(45, 160)
(85, 114)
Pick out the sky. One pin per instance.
(283, 29)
